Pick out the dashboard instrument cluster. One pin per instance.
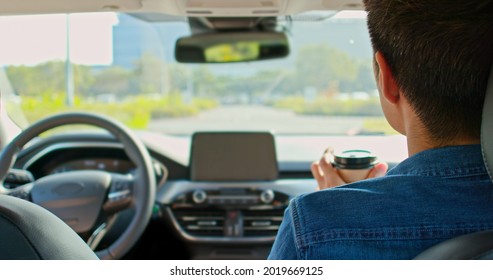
(112, 165)
(66, 157)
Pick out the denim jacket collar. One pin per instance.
(442, 162)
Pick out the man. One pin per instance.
(431, 60)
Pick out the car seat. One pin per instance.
(477, 245)
(29, 232)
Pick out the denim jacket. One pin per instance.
(430, 197)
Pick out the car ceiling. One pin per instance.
(188, 8)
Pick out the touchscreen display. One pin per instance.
(233, 156)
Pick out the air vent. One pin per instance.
(262, 223)
(199, 12)
(261, 12)
(227, 8)
(207, 223)
(231, 4)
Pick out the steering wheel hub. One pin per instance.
(75, 197)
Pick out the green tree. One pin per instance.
(204, 81)
(83, 79)
(48, 77)
(321, 66)
(150, 74)
(179, 76)
(112, 80)
(366, 78)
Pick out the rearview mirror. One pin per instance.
(231, 47)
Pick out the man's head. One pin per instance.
(439, 53)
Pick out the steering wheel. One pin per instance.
(88, 200)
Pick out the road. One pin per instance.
(257, 118)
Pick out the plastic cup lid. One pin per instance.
(355, 159)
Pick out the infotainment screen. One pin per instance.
(233, 156)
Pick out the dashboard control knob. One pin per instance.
(267, 196)
(199, 196)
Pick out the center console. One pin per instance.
(233, 204)
(228, 220)
(239, 214)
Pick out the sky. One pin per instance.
(30, 40)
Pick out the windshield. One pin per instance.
(124, 67)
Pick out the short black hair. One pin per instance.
(440, 53)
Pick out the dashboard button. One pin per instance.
(267, 196)
(199, 196)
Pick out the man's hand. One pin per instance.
(327, 176)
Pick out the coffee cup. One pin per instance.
(354, 165)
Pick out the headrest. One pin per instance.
(487, 127)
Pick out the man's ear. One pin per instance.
(385, 79)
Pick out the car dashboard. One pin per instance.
(192, 219)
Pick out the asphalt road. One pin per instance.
(257, 118)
